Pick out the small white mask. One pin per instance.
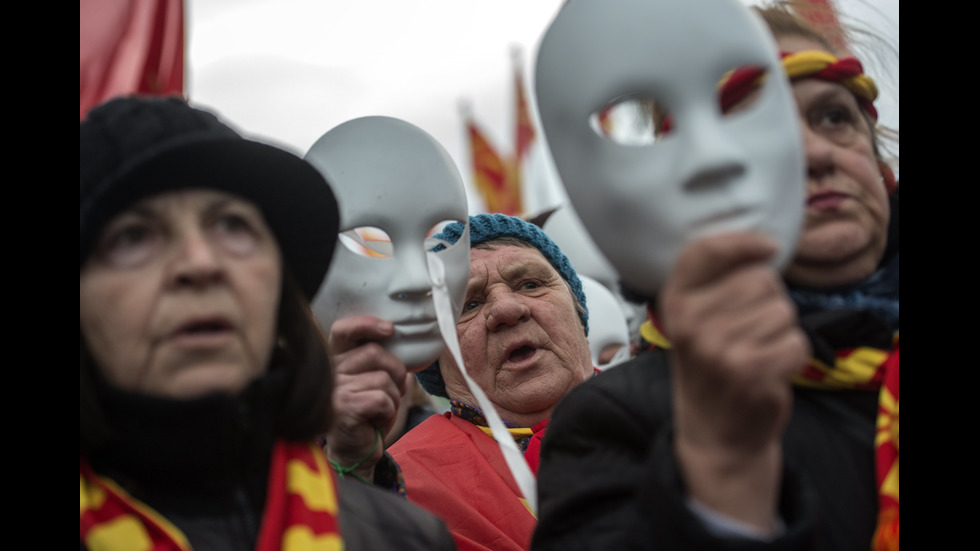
(567, 231)
(607, 323)
(394, 183)
(712, 173)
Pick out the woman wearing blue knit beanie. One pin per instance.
(523, 339)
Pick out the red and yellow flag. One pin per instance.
(491, 174)
(524, 133)
(524, 124)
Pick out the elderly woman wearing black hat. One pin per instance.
(204, 380)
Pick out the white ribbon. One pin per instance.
(447, 325)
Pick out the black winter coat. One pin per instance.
(609, 480)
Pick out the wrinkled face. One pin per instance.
(179, 297)
(396, 187)
(845, 226)
(713, 171)
(520, 335)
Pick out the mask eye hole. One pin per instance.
(641, 119)
(431, 241)
(740, 88)
(627, 120)
(367, 241)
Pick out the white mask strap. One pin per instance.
(447, 325)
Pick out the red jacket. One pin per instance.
(455, 470)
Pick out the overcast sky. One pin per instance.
(290, 70)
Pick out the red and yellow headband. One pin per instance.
(818, 64)
(806, 64)
(809, 64)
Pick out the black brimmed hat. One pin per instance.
(133, 147)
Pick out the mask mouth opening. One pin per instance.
(721, 221)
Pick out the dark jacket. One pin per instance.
(608, 478)
(404, 526)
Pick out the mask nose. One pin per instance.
(712, 160)
(411, 280)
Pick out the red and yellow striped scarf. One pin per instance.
(861, 367)
(300, 510)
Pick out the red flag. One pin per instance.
(127, 47)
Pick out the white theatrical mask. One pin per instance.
(395, 186)
(712, 173)
(607, 323)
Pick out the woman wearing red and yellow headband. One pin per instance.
(765, 416)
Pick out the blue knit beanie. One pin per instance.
(486, 227)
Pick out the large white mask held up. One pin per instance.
(396, 186)
(712, 172)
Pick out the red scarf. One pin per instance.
(300, 510)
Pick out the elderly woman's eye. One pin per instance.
(237, 232)
(127, 245)
(129, 236)
(232, 222)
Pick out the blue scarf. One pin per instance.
(877, 294)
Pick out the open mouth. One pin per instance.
(521, 354)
